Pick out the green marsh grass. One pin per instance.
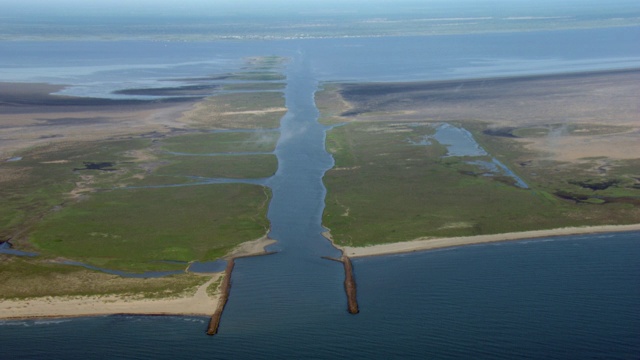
(383, 189)
(264, 75)
(248, 110)
(222, 142)
(39, 214)
(45, 175)
(254, 86)
(25, 278)
(133, 229)
(245, 166)
(52, 205)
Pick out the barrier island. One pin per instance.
(473, 159)
(141, 187)
(146, 187)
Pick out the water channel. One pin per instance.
(295, 280)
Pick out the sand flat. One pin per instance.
(574, 99)
(30, 116)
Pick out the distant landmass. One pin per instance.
(194, 21)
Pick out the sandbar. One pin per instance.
(251, 248)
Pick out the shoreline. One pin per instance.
(568, 74)
(199, 303)
(425, 244)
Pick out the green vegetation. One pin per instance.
(212, 289)
(384, 189)
(68, 200)
(256, 105)
(568, 129)
(254, 101)
(531, 132)
(205, 143)
(589, 180)
(254, 86)
(218, 166)
(331, 105)
(268, 62)
(248, 166)
(253, 110)
(28, 277)
(66, 210)
(130, 229)
(257, 76)
(259, 69)
(42, 180)
(132, 204)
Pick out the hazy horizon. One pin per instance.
(203, 20)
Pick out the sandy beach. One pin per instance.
(422, 244)
(198, 303)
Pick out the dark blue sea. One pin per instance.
(563, 298)
(575, 297)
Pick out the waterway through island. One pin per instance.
(296, 279)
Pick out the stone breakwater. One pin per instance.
(350, 286)
(349, 283)
(225, 288)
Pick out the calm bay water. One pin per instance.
(570, 297)
(96, 68)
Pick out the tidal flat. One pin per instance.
(571, 137)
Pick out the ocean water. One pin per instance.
(564, 298)
(570, 297)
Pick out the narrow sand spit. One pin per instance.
(438, 243)
(251, 248)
